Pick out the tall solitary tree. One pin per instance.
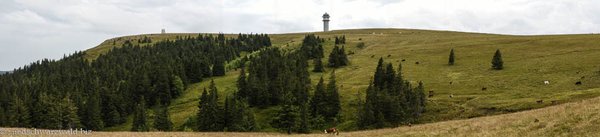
(451, 58)
(497, 62)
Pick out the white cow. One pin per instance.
(546, 82)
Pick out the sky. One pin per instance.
(31, 30)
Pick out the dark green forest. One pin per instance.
(75, 93)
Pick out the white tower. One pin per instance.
(325, 22)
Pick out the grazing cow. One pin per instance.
(389, 55)
(540, 101)
(403, 60)
(484, 88)
(430, 93)
(450, 95)
(546, 82)
(332, 130)
(536, 120)
(578, 83)
(450, 82)
(417, 63)
(372, 56)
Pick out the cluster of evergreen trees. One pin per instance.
(281, 79)
(77, 93)
(338, 57)
(340, 40)
(234, 115)
(390, 100)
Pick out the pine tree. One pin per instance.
(18, 113)
(497, 62)
(209, 114)
(162, 120)
(93, 119)
(333, 98)
(69, 119)
(334, 57)
(140, 118)
(219, 67)
(304, 120)
(242, 85)
(343, 58)
(318, 65)
(318, 100)
(451, 58)
(46, 114)
(378, 78)
(287, 115)
(177, 86)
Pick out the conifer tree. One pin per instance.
(140, 118)
(451, 57)
(18, 113)
(242, 85)
(93, 119)
(209, 115)
(318, 100)
(219, 67)
(177, 86)
(287, 115)
(334, 57)
(497, 62)
(69, 119)
(162, 120)
(333, 98)
(304, 119)
(318, 65)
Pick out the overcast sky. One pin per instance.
(35, 29)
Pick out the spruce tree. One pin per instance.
(140, 118)
(177, 86)
(209, 115)
(242, 85)
(333, 99)
(287, 115)
(304, 120)
(343, 58)
(318, 65)
(93, 119)
(219, 67)
(497, 62)
(69, 119)
(18, 113)
(451, 57)
(162, 120)
(333, 57)
(318, 100)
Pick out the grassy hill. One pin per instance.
(579, 118)
(563, 60)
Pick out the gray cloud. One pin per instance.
(33, 29)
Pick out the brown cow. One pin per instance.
(332, 130)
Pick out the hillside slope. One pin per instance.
(579, 118)
(529, 60)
